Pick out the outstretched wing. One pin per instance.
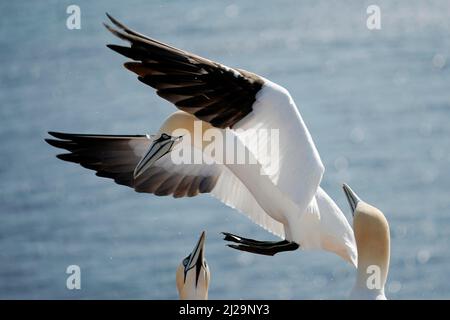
(212, 92)
(234, 98)
(116, 157)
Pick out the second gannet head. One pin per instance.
(193, 274)
(373, 244)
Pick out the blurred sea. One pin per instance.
(376, 102)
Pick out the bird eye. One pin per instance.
(185, 261)
(164, 136)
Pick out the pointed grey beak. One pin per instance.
(196, 258)
(352, 197)
(158, 149)
(198, 254)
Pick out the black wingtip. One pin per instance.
(227, 236)
(69, 157)
(107, 26)
(125, 51)
(52, 142)
(120, 49)
(111, 18)
(112, 30)
(114, 21)
(58, 135)
(119, 34)
(61, 144)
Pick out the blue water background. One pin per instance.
(376, 102)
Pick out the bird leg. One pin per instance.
(268, 248)
(241, 240)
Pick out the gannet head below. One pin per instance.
(193, 274)
(373, 243)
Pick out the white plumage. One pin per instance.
(280, 193)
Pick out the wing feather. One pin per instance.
(115, 157)
(231, 98)
(191, 82)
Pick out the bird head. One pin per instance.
(162, 144)
(176, 131)
(193, 273)
(372, 240)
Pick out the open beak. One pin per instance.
(352, 197)
(158, 149)
(197, 257)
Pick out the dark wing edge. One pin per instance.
(113, 157)
(210, 91)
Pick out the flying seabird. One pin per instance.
(193, 275)
(373, 243)
(287, 201)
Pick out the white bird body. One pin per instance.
(320, 225)
(300, 168)
(280, 193)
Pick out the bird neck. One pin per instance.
(373, 243)
(371, 274)
(190, 294)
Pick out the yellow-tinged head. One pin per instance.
(372, 237)
(181, 120)
(178, 130)
(193, 274)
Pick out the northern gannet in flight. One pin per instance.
(193, 273)
(287, 201)
(373, 242)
